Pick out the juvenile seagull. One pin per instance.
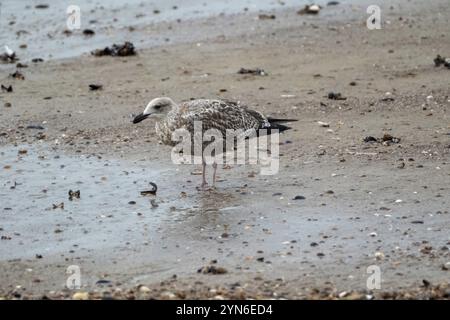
(213, 114)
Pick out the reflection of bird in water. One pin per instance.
(213, 114)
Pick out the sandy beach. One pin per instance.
(340, 203)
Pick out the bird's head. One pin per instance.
(156, 107)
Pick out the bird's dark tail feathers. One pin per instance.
(280, 120)
(275, 125)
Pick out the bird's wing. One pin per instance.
(222, 115)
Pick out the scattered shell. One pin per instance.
(323, 124)
(264, 16)
(310, 9)
(42, 6)
(9, 56)
(94, 87)
(74, 194)
(379, 255)
(211, 269)
(17, 75)
(168, 295)
(56, 206)
(126, 49)
(256, 71)
(152, 192)
(336, 96)
(80, 296)
(153, 203)
(7, 89)
(438, 61)
(144, 289)
(88, 32)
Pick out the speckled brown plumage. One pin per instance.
(213, 114)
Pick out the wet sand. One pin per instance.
(365, 203)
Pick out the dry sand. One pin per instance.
(365, 203)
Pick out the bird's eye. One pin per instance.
(158, 106)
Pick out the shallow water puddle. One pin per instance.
(113, 229)
(36, 213)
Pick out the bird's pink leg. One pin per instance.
(204, 183)
(214, 165)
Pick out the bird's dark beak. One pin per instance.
(140, 117)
